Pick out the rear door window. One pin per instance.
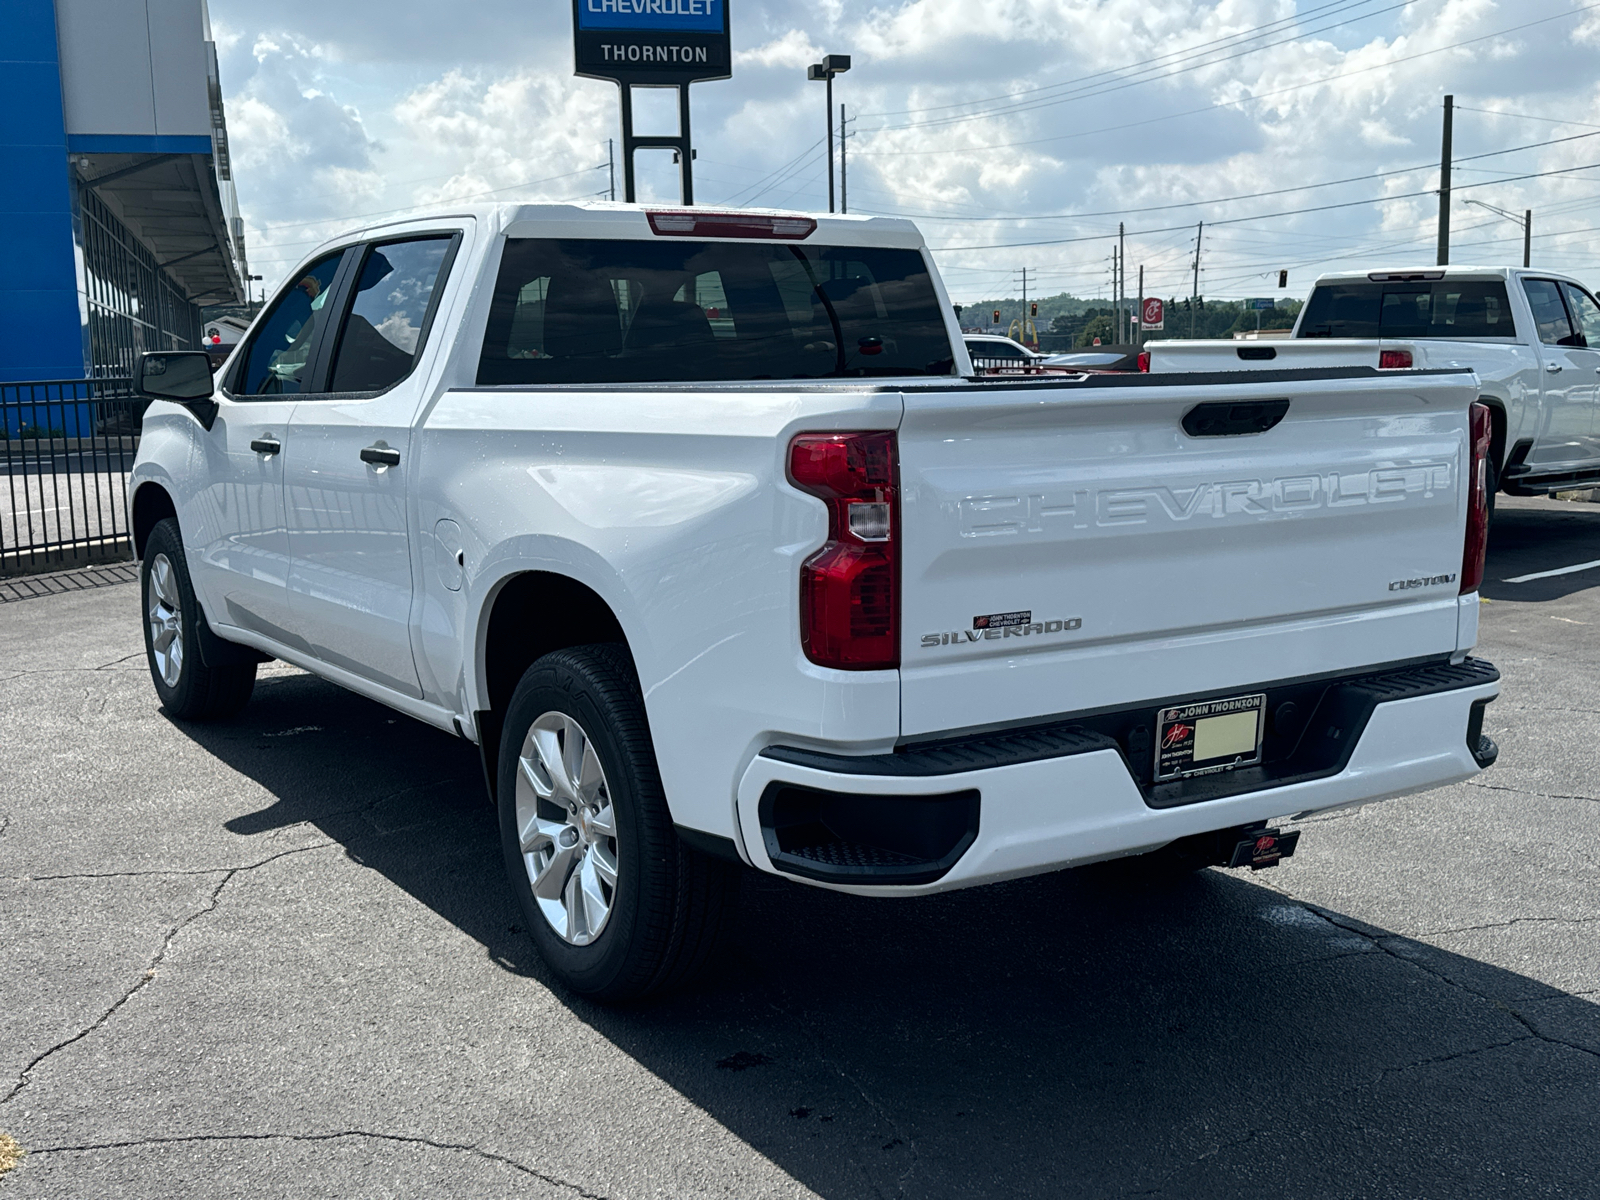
(604, 311)
(1549, 313)
(382, 333)
(1445, 308)
(279, 354)
(1585, 314)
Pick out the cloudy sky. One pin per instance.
(1305, 133)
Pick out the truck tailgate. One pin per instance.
(1068, 547)
(1281, 354)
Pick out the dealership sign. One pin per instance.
(652, 41)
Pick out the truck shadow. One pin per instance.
(1068, 1035)
(1530, 535)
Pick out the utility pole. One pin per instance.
(1527, 237)
(1444, 183)
(844, 174)
(1138, 329)
(1123, 333)
(611, 163)
(1194, 299)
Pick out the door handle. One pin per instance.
(266, 445)
(1553, 368)
(380, 456)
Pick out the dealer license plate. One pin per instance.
(1213, 735)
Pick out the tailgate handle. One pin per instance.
(1257, 352)
(1226, 418)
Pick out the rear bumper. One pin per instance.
(1083, 804)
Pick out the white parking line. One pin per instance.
(1558, 571)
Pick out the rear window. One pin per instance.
(596, 311)
(1446, 308)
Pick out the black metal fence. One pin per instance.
(67, 447)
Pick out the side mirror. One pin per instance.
(182, 376)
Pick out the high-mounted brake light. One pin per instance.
(694, 223)
(1404, 276)
(850, 589)
(1477, 541)
(1394, 360)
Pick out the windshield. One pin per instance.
(603, 311)
(1444, 308)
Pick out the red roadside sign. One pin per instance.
(1154, 315)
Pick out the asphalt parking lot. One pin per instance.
(277, 958)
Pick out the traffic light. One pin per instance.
(1033, 309)
(1283, 278)
(997, 316)
(1200, 303)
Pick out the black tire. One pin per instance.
(195, 692)
(670, 903)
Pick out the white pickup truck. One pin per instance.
(699, 525)
(1532, 337)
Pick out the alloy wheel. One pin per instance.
(166, 620)
(567, 828)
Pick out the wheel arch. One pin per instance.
(150, 504)
(530, 614)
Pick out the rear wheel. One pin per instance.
(618, 906)
(189, 690)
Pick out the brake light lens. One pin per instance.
(1394, 360)
(1144, 360)
(850, 589)
(1477, 542)
(699, 224)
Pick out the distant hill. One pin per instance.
(1063, 304)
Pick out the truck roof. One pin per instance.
(1421, 274)
(609, 219)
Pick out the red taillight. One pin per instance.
(1394, 360)
(1482, 435)
(696, 223)
(850, 589)
(1144, 360)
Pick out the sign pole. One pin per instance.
(626, 92)
(686, 154)
(674, 44)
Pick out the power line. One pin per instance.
(1242, 36)
(1394, 62)
(1288, 212)
(1123, 82)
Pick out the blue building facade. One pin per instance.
(119, 215)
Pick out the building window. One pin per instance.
(133, 305)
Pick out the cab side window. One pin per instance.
(1585, 314)
(1549, 314)
(279, 354)
(382, 333)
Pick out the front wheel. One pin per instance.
(618, 906)
(189, 690)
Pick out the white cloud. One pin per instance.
(353, 109)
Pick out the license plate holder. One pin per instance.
(1209, 736)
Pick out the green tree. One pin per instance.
(1101, 327)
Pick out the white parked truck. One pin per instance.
(1532, 338)
(701, 527)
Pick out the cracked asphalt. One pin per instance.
(277, 958)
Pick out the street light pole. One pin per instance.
(1525, 220)
(831, 65)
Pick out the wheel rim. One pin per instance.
(567, 828)
(166, 620)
